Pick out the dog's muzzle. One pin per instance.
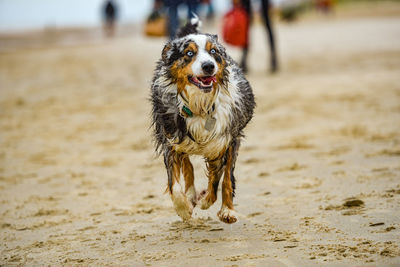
(205, 83)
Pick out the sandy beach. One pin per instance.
(318, 174)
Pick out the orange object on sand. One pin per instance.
(235, 27)
(156, 26)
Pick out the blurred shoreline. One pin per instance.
(71, 36)
(67, 36)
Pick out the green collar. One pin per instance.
(187, 111)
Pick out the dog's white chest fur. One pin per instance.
(209, 142)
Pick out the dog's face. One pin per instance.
(195, 62)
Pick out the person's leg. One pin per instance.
(192, 8)
(210, 10)
(243, 61)
(173, 21)
(265, 8)
(245, 51)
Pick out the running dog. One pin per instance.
(201, 104)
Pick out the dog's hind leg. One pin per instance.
(173, 162)
(227, 213)
(214, 168)
(188, 175)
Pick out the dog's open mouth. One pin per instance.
(205, 83)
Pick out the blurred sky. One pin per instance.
(32, 14)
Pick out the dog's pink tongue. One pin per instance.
(208, 80)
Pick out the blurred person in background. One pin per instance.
(265, 12)
(173, 19)
(325, 6)
(156, 23)
(210, 13)
(110, 13)
(158, 4)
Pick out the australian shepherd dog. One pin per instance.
(201, 104)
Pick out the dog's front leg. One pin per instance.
(227, 213)
(173, 162)
(214, 168)
(188, 175)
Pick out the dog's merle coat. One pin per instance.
(195, 85)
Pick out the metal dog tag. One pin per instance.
(210, 123)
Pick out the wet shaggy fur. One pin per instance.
(207, 119)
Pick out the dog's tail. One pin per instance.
(191, 27)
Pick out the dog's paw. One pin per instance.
(205, 200)
(227, 215)
(192, 196)
(182, 205)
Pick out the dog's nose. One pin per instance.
(208, 67)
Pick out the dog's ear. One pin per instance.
(166, 49)
(214, 37)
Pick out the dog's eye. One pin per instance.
(213, 51)
(189, 53)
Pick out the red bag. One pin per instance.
(235, 27)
